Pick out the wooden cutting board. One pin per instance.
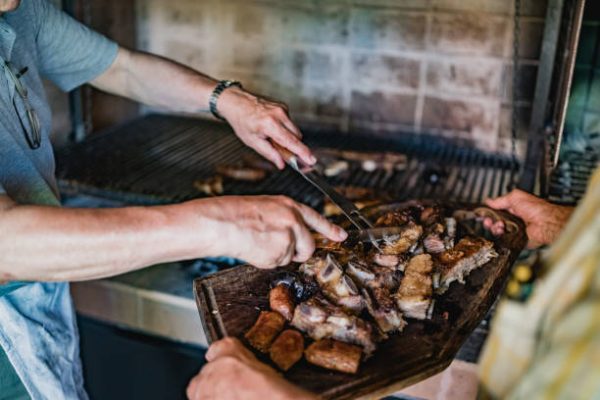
(229, 303)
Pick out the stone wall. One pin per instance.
(380, 66)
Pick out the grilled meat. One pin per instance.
(361, 197)
(468, 254)
(407, 239)
(381, 306)
(433, 243)
(335, 168)
(320, 319)
(414, 297)
(301, 287)
(287, 349)
(212, 186)
(377, 283)
(335, 355)
(281, 300)
(265, 330)
(240, 172)
(335, 285)
(386, 260)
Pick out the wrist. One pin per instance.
(232, 101)
(216, 101)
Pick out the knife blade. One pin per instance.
(371, 235)
(348, 208)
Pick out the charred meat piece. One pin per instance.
(320, 319)
(334, 355)
(212, 186)
(281, 300)
(381, 306)
(335, 285)
(468, 254)
(240, 172)
(407, 239)
(265, 330)
(416, 288)
(301, 287)
(372, 276)
(431, 215)
(287, 349)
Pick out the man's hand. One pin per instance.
(234, 373)
(257, 121)
(163, 83)
(266, 231)
(544, 220)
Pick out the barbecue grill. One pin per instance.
(155, 159)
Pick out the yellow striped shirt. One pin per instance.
(549, 346)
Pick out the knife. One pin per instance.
(371, 235)
(348, 208)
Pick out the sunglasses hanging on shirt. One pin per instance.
(31, 126)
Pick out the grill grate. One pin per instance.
(157, 158)
(569, 180)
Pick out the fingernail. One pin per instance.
(312, 159)
(342, 234)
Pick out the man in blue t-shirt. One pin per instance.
(46, 246)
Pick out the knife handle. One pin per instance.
(287, 155)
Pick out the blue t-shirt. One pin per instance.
(37, 324)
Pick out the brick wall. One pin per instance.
(381, 66)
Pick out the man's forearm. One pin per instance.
(157, 82)
(54, 244)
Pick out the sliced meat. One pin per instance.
(287, 349)
(407, 239)
(281, 300)
(414, 297)
(468, 254)
(265, 330)
(434, 244)
(334, 355)
(380, 305)
(386, 260)
(335, 285)
(320, 319)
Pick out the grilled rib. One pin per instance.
(320, 319)
(468, 254)
(414, 297)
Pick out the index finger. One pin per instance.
(288, 139)
(320, 224)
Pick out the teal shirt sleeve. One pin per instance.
(69, 53)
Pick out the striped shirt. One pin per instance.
(549, 346)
